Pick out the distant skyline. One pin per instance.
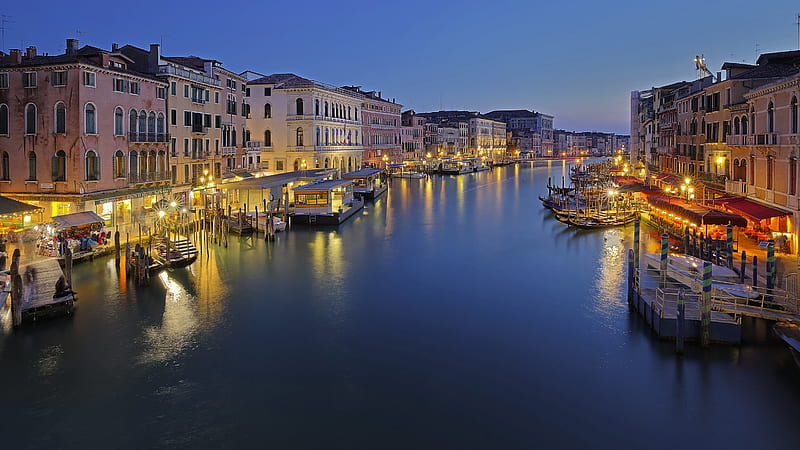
(575, 60)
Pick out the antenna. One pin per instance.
(798, 31)
(80, 34)
(758, 50)
(4, 19)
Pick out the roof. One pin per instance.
(194, 62)
(78, 219)
(9, 206)
(750, 208)
(283, 79)
(363, 173)
(276, 180)
(324, 185)
(695, 212)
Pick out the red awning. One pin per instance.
(696, 212)
(750, 208)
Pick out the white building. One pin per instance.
(304, 124)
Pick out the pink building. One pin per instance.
(80, 131)
(412, 135)
(380, 125)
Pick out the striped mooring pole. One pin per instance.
(770, 264)
(705, 312)
(755, 271)
(637, 229)
(681, 325)
(664, 250)
(729, 244)
(743, 267)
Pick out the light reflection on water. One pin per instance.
(178, 326)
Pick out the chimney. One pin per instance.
(30, 52)
(114, 47)
(72, 46)
(154, 59)
(15, 56)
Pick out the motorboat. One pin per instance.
(413, 175)
(688, 270)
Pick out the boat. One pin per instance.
(277, 223)
(688, 270)
(174, 253)
(602, 220)
(409, 174)
(789, 333)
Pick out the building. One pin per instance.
(207, 116)
(478, 136)
(380, 128)
(523, 120)
(304, 124)
(412, 135)
(83, 130)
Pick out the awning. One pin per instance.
(696, 213)
(124, 194)
(9, 206)
(750, 208)
(77, 219)
(667, 178)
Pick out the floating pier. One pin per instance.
(39, 295)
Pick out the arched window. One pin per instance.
(744, 124)
(232, 143)
(31, 166)
(327, 139)
(770, 171)
(3, 119)
(299, 136)
(743, 170)
(267, 111)
(151, 162)
(267, 138)
(5, 173)
(317, 137)
(299, 104)
(316, 107)
(119, 120)
(61, 118)
(90, 119)
(160, 127)
(348, 113)
(134, 164)
(736, 125)
(793, 114)
(162, 162)
(752, 120)
(326, 109)
(355, 114)
(142, 124)
(151, 125)
(60, 166)
(119, 164)
(133, 117)
(770, 118)
(92, 166)
(30, 118)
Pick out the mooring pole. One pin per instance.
(630, 276)
(664, 251)
(743, 267)
(755, 271)
(681, 325)
(729, 244)
(705, 318)
(637, 231)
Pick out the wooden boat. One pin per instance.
(412, 175)
(601, 221)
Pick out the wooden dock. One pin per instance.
(38, 301)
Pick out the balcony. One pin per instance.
(767, 139)
(763, 139)
(254, 145)
(227, 151)
(150, 177)
(186, 74)
(148, 137)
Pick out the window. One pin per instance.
(207, 94)
(60, 166)
(90, 119)
(187, 118)
(185, 146)
(151, 123)
(161, 92)
(31, 166)
(133, 160)
(119, 164)
(299, 136)
(132, 121)
(89, 79)
(216, 97)
(5, 173)
(186, 91)
(246, 92)
(92, 166)
(173, 117)
(3, 119)
(58, 78)
(267, 92)
(160, 127)
(299, 106)
(770, 118)
(29, 79)
(134, 85)
(119, 120)
(217, 121)
(268, 138)
(60, 122)
(173, 147)
(278, 166)
(30, 119)
(793, 114)
(173, 88)
(4, 80)
(207, 120)
(120, 85)
(267, 111)
(246, 110)
(142, 124)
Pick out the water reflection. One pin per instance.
(178, 327)
(609, 282)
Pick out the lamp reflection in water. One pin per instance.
(610, 277)
(179, 324)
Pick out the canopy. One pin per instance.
(77, 219)
(696, 213)
(749, 208)
(9, 206)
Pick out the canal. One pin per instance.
(453, 313)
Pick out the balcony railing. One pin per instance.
(172, 70)
(712, 178)
(150, 177)
(228, 150)
(767, 139)
(760, 139)
(254, 145)
(148, 137)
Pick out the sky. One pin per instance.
(576, 60)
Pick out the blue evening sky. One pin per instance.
(577, 60)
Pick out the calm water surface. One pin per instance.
(454, 313)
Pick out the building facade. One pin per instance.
(82, 131)
(304, 124)
(412, 135)
(380, 127)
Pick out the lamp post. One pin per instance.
(687, 189)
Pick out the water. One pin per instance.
(454, 313)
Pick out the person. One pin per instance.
(62, 287)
